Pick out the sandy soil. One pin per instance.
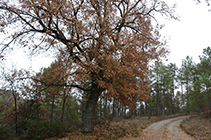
(164, 130)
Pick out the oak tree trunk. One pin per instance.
(89, 113)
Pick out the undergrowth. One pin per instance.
(36, 130)
(115, 128)
(198, 126)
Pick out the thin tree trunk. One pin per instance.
(149, 112)
(146, 109)
(174, 110)
(125, 108)
(16, 115)
(63, 105)
(101, 108)
(182, 98)
(89, 113)
(157, 105)
(163, 103)
(158, 102)
(119, 109)
(122, 109)
(105, 106)
(52, 105)
(140, 110)
(188, 111)
(114, 108)
(209, 100)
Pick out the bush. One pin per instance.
(40, 130)
(35, 129)
(32, 123)
(4, 132)
(207, 112)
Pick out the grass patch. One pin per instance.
(199, 127)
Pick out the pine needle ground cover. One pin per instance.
(198, 126)
(115, 129)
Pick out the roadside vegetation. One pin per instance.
(52, 111)
(107, 79)
(116, 128)
(198, 126)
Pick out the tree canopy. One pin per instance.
(109, 43)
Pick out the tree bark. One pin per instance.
(101, 109)
(146, 109)
(158, 101)
(114, 108)
(183, 102)
(89, 113)
(52, 106)
(63, 105)
(149, 112)
(122, 110)
(105, 106)
(188, 111)
(16, 115)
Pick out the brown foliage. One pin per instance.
(207, 112)
(108, 42)
(198, 126)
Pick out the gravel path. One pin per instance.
(164, 130)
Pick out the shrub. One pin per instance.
(207, 112)
(36, 130)
(4, 132)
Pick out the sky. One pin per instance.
(189, 36)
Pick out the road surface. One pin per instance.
(165, 130)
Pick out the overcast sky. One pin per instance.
(187, 37)
(191, 34)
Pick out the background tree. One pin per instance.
(187, 76)
(15, 82)
(205, 71)
(200, 96)
(178, 102)
(197, 97)
(157, 87)
(49, 78)
(163, 78)
(181, 84)
(173, 69)
(109, 42)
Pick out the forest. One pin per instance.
(108, 65)
(49, 108)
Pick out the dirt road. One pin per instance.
(165, 130)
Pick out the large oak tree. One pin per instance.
(108, 43)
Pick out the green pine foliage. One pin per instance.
(43, 115)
